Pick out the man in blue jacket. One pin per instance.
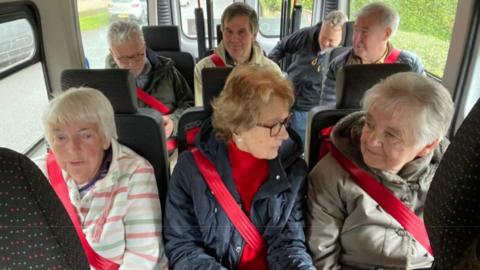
(309, 50)
(375, 24)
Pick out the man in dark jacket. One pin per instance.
(374, 26)
(155, 74)
(309, 50)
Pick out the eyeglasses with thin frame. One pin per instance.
(276, 128)
(132, 58)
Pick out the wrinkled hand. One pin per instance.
(168, 126)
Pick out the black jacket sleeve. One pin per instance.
(289, 45)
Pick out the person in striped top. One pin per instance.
(112, 189)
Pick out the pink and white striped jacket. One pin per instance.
(121, 215)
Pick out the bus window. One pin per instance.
(95, 17)
(187, 15)
(270, 13)
(425, 29)
(17, 43)
(23, 93)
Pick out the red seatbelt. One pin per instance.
(217, 60)
(161, 108)
(392, 57)
(60, 187)
(383, 196)
(152, 101)
(240, 221)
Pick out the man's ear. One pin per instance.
(428, 148)
(388, 33)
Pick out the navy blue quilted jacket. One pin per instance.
(198, 234)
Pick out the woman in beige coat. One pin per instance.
(398, 139)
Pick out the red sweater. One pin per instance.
(249, 173)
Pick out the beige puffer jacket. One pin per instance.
(347, 229)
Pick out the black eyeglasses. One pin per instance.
(276, 128)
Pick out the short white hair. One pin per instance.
(123, 31)
(427, 102)
(80, 105)
(386, 15)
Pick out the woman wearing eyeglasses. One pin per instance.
(237, 200)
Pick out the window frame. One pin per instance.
(24, 10)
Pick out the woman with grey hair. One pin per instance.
(381, 163)
(108, 190)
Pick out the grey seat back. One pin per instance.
(452, 208)
(141, 129)
(35, 230)
(165, 41)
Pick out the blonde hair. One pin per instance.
(428, 104)
(81, 105)
(335, 18)
(248, 90)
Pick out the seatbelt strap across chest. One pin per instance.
(240, 221)
(152, 101)
(382, 195)
(217, 60)
(392, 57)
(161, 108)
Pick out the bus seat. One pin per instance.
(347, 33)
(35, 229)
(319, 118)
(452, 212)
(189, 125)
(353, 80)
(213, 81)
(141, 129)
(165, 40)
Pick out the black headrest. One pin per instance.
(34, 226)
(219, 33)
(318, 119)
(118, 85)
(213, 81)
(354, 80)
(452, 212)
(347, 33)
(162, 37)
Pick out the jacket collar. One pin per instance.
(217, 151)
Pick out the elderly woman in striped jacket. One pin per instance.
(109, 191)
